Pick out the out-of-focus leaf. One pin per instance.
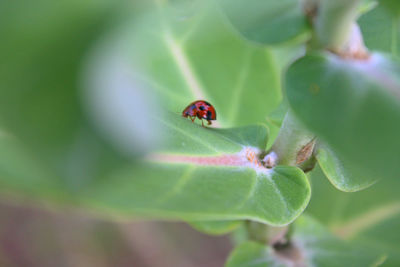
(313, 246)
(40, 105)
(204, 174)
(367, 5)
(38, 80)
(342, 176)
(392, 6)
(381, 28)
(344, 206)
(353, 106)
(384, 236)
(215, 227)
(270, 22)
(40, 102)
(370, 217)
(182, 59)
(22, 172)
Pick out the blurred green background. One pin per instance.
(42, 49)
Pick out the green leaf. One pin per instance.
(40, 105)
(271, 22)
(392, 6)
(384, 237)
(365, 215)
(194, 172)
(381, 29)
(341, 175)
(195, 57)
(353, 107)
(215, 227)
(211, 180)
(52, 119)
(22, 172)
(345, 206)
(312, 245)
(174, 61)
(274, 121)
(370, 217)
(203, 174)
(39, 97)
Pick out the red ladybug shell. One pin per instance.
(200, 109)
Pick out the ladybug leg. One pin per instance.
(193, 118)
(209, 122)
(202, 123)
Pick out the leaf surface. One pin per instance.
(340, 174)
(39, 99)
(204, 174)
(370, 217)
(22, 172)
(271, 22)
(197, 57)
(353, 106)
(381, 28)
(138, 82)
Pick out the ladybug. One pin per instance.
(200, 109)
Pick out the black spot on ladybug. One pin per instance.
(202, 108)
(209, 115)
(208, 104)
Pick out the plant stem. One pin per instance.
(292, 140)
(334, 22)
(265, 234)
(335, 30)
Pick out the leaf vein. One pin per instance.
(280, 195)
(198, 140)
(182, 181)
(250, 193)
(237, 92)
